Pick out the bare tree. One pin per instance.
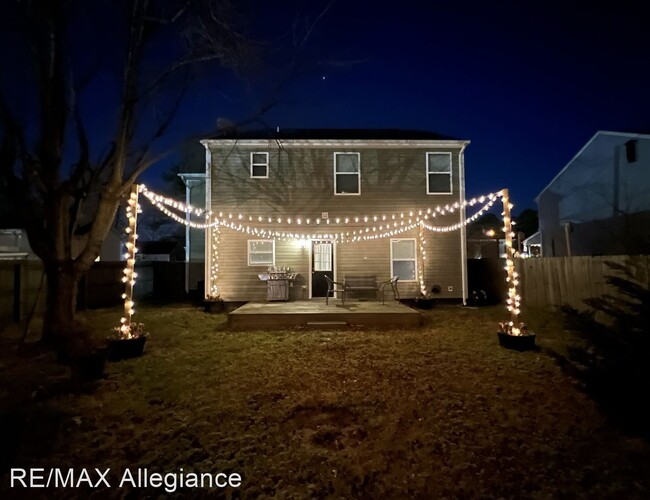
(58, 195)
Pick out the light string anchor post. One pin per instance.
(513, 302)
(132, 210)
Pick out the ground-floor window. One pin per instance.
(261, 252)
(403, 259)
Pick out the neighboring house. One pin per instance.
(14, 245)
(195, 184)
(160, 251)
(329, 175)
(599, 203)
(112, 248)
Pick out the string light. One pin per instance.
(422, 258)
(424, 213)
(132, 210)
(513, 302)
(213, 294)
(390, 225)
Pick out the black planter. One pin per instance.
(213, 306)
(87, 367)
(424, 303)
(517, 342)
(119, 349)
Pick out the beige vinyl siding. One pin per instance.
(240, 282)
(301, 184)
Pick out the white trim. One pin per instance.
(311, 263)
(358, 173)
(257, 264)
(334, 143)
(414, 259)
(463, 228)
(266, 164)
(451, 170)
(208, 232)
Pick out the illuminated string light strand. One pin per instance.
(409, 215)
(513, 302)
(214, 263)
(365, 234)
(132, 210)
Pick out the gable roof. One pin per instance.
(598, 135)
(334, 134)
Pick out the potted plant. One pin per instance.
(518, 338)
(213, 304)
(127, 342)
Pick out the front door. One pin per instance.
(322, 264)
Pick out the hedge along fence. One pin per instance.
(102, 286)
(555, 281)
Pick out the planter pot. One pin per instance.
(213, 306)
(126, 348)
(517, 342)
(424, 303)
(87, 367)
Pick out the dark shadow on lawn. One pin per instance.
(614, 364)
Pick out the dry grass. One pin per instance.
(433, 412)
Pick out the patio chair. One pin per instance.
(332, 288)
(393, 285)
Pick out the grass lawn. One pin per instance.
(424, 413)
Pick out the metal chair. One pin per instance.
(393, 285)
(331, 288)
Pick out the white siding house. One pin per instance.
(599, 203)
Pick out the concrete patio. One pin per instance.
(315, 313)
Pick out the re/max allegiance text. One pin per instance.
(133, 478)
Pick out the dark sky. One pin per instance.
(528, 83)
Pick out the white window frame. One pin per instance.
(249, 252)
(358, 173)
(265, 164)
(451, 178)
(414, 259)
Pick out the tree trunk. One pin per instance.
(59, 323)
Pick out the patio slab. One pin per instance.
(315, 313)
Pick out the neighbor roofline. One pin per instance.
(597, 134)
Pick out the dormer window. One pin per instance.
(439, 173)
(260, 165)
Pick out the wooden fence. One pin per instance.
(20, 285)
(554, 281)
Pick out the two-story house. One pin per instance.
(599, 203)
(335, 202)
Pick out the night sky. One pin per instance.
(528, 83)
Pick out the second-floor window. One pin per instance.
(260, 165)
(439, 173)
(347, 173)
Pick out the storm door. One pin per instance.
(322, 264)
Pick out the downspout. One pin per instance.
(187, 236)
(463, 235)
(208, 231)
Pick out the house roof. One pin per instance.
(334, 134)
(598, 136)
